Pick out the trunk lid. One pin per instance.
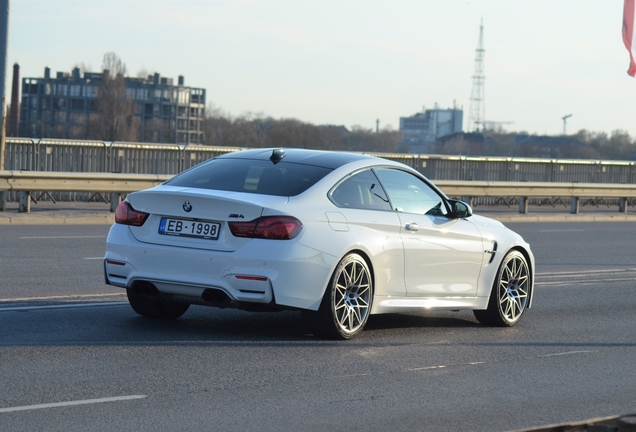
(205, 225)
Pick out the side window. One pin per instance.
(361, 191)
(410, 194)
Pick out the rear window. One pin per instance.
(252, 176)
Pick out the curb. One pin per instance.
(61, 220)
(563, 218)
(600, 424)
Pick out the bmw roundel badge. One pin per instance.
(187, 206)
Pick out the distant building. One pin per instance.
(60, 107)
(422, 130)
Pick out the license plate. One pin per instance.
(190, 228)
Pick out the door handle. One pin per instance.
(412, 226)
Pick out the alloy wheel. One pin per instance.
(513, 287)
(351, 296)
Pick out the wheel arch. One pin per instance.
(367, 258)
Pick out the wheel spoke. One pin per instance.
(357, 314)
(518, 305)
(507, 308)
(503, 299)
(508, 273)
(347, 277)
(503, 284)
(362, 290)
(343, 318)
(340, 297)
(353, 274)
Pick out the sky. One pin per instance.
(350, 62)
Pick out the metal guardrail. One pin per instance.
(26, 182)
(523, 191)
(26, 154)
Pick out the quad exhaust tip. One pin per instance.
(146, 288)
(213, 296)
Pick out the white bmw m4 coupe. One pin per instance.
(338, 236)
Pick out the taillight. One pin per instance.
(127, 215)
(268, 227)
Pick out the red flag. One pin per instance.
(629, 36)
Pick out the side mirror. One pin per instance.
(459, 209)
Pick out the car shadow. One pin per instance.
(213, 325)
(118, 324)
(422, 320)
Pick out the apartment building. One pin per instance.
(65, 106)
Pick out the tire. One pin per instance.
(346, 304)
(151, 307)
(510, 293)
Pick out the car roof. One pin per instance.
(325, 159)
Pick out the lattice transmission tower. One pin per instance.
(477, 115)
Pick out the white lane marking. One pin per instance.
(94, 258)
(71, 403)
(570, 230)
(61, 237)
(61, 306)
(476, 363)
(565, 353)
(428, 368)
(65, 297)
(584, 282)
(586, 277)
(568, 273)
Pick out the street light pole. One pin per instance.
(565, 118)
(4, 53)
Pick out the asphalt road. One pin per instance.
(74, 356)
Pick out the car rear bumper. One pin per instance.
(262, 271)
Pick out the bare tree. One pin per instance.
(258, 125)
(114, 120)
(217, 127)
(112, 63)
(294, 133)
(144, 73)
(158, 131)
(256, 130)
(364, 139)
(331, 136)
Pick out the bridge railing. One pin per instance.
(24, 183)
(56, 155)
(24, 154)
(148, 158)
